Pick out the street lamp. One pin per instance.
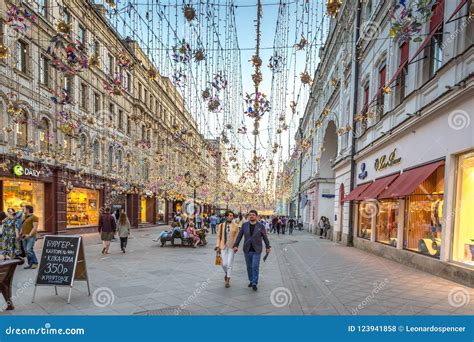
(195, 181)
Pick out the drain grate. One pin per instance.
(167, 311)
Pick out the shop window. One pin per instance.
(82, 207)
(44, 135)
(365, 219)
(17, 193)
(425, 216)
(463, 242)
(387, 222)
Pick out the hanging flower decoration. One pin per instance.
(219, 81)
(123, 60)
(257, 78)
(214, 105)
(256, 61)
(199, 55)
(67, 57)
(333, 6)
(94, 60)
(20, 20)
(66, 123)
(182, 53)
(293, 106)
(62, 98)
(152, 74)
(276, 63)
(111, 3)
(206, 94)
(306, 78)
(407, 19)
(63, 28)
(301, 44)
(257, 105)
(114, 86)
(189, 12)
(179, 78)
(4, 51)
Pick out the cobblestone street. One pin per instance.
(303, 275)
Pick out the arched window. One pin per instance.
(22, 130)
(96, 153)
(44, 135)
(111, 158)
(143, 132)
(119, 159)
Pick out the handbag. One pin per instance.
(218, 260)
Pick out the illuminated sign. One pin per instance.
(19, 170)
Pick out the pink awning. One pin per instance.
(377, 187)
(354, 194)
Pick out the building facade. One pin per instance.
(401, 166)
(88, 122)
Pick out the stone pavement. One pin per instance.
(304, 275)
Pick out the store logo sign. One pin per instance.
(363, 172)
(385, 161)
(19, 170)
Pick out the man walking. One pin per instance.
(214, 220)
(254, 232)
(226, 234)
(28, 232)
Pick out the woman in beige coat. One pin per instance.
(226, 234)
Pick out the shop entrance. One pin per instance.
(16, 193)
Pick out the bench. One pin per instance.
(7, 270)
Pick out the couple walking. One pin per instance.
(228, 240)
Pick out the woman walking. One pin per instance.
(107, 228)
(123, 227)
(10, 243)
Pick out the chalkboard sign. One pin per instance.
(62, 262)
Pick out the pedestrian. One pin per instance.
(10, 243)
(107, 227)
(226, 234)
(274, 224)
(198, 221)
(193, 234)
(213, 220)
(291, 225)
(123, 228)
(283, 225)
(324, 226)
(29, 228)
(254, 232)
(278, 225)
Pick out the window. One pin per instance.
(68, 82)
(111, 158)
(97, 103)
(120, 119)
(43, 6)
(82, 147)
(381, 96)
(22, 56)
(152, 102)
(145, 97)
(387, 222)
(463, 242)
(44, 71)
(96, 47)
(112, 114)
(119, 159)
(401, 80)
(111, 66)
(44, 135)
(148, 135)
(436, 52)
(2, 32)
(139, 90)
(84, 96)
(96, 153)
(143, 132)
(22, 131)
(67, 145)
(82, 207)
(129, 125)
(425, 216)
(66, 16)
(81, 35)
(365, 219)
(127, 82)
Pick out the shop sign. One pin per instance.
(363, 172)
(385, 161)
(19, 170)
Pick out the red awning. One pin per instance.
(436, 22)
(376, 188)
(461, 4)
(408, 181)
(354, 194)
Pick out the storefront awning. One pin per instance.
(409, 180)
(354, 194)
(377, 187)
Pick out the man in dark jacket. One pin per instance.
(107, 227)
(254, 232)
